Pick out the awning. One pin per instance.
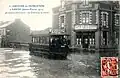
(59, 34)
(85, 30)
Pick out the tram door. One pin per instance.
(85, 39)
(88, 39)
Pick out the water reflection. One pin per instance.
(19, 64)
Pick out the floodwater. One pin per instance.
(19, 64)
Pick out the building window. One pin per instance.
(104, 20)
(116, 37)
(85, 17)
(105, 37)
(63, 3)
(117, 19)
(62, 21)
(104, 17)
(85, 3)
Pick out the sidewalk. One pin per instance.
(6, 49)
(88, 64)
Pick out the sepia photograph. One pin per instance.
(59, 38)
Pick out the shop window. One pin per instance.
(92, 41)
(78, 41)
(86, 41)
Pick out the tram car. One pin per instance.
(52, 45)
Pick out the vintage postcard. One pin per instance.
(59, 38)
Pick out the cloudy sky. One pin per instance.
(35, 21)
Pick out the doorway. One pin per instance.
(85, 39)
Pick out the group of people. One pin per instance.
(59, 44)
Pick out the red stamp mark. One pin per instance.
(109, 67)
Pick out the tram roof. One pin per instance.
(60, 34)
(39, 34)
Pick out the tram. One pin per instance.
(52, 45)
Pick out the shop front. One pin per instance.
(85, 39)
(85, 36)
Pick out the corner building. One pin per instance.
(90, 24)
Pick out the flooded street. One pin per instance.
(19, 64)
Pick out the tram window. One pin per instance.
(33, 40)
(51, 40)
(39, 39)
(47, 40)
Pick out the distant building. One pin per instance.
(90, 24)
(14, 32)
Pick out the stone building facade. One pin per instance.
(90, 24)
(14, 32)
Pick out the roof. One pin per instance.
(5, 23)
(46, 32)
